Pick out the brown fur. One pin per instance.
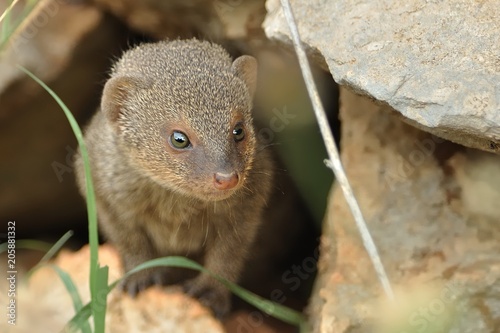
(155, 201)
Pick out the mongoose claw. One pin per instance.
(211, 294)
(140, 281)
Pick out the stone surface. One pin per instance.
(436, 62)
(170, 19)
(46, 44)
(242, 19)
(44, 305)
(216, 20)
(432, 208)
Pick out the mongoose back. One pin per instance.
(176, 164)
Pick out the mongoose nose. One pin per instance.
(225, 181)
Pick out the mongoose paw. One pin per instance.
(212, 294)
(140, 281)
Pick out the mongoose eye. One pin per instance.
(238, 132)
(179, 140)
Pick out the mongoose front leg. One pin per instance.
(135, 248)
(141, 280)
(225, 257)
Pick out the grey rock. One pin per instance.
(432, 208)
(436, 62)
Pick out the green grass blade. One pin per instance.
(28, 8)
(29, 244)
(99, 303)
(33, 244)
(40, 246)
(5, 22)
(172, 261)
(50, 253)
(273, 309)
(6, 14)
(91, 206)
(9, 26)
(304, 327)
(75, 296)
(56, 247)
(80, 318)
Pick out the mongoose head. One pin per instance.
(181, 112)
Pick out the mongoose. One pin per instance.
(176, 164)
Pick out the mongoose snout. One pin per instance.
(225, 181)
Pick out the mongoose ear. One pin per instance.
(116, 91)
(245, 67)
